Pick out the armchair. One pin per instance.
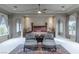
(49, 42)
(30, 41)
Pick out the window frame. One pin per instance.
(6, 33)
(72, 20)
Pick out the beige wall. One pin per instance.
(40, 20)
(27, 23)
(51, 23)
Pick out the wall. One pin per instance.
(3, 38)
(62, 18)
(51, 23)
(40, 20)
(10, 22)
(12, 25)
(27, 23)
(15, 18)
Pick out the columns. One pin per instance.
(77, 30)
(66, 27)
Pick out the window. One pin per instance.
(18, 26)
(60, 27)
(3, 26)
(72, 26)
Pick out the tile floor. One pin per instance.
(7, 46)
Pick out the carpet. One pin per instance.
(19, 50)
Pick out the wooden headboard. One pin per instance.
(42, 28)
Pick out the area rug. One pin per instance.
(19, 50)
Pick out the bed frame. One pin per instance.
(42, 28)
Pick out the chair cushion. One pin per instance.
(30, 42)
(49, 42)
(30, 36)
(48, 36)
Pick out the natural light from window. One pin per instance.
(3, 26)
(72, 27)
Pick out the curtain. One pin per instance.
(0, 19)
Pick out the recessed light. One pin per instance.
(63, 8)
(15, 7)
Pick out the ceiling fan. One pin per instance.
(39, 11)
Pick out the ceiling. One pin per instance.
(31, 8)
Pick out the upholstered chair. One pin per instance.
(30, 41)
(49, 42)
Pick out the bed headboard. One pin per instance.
(42, 28)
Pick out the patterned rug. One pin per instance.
(19, 50)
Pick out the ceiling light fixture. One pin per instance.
(39, 12)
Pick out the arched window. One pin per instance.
(60, 27)
(72, 26)
(18, 25)
(3, 26)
